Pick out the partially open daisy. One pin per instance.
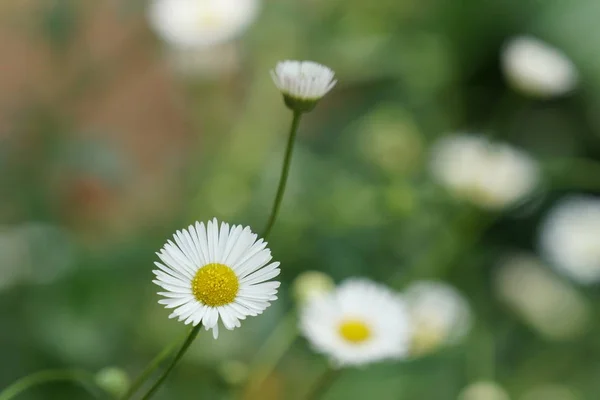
(303, 83)
(213, 274)
(358, 323)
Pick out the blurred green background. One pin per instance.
(106, 149)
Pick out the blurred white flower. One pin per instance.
(197, 24)
(537, 69)
(570, 238)
(214, 274)
(359, 323)
(490, 175)
(440, 315)
(302, 83)
(548, 304)
(311, 284)
(483, 391)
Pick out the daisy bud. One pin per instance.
(113, 380)
(302, 83)
(311, 284)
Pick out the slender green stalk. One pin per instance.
(153, 366)
(82, 378)
(323, 384)
(284, 173)
(273, 349)
(188, 341)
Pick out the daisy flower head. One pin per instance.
(302, 83)
(537, 69)
(200, 24)
(570, 238)
(213, 273)
(491, 175)
(440, 315)
(358, 323)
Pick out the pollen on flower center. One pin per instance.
(215, 285)
(354, 331)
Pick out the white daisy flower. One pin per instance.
(537, 69)
(196, 24)
(213, 274)
(358, 323)
(302, 83)
(570, 238)
(488, 174)
(440, 315)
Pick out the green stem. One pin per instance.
(323, 384)
(273, 349)
(284, 173)
(154, 364)
(188, 341)
(84, 379)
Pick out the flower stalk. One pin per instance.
(82, 378)
(285, 170)
(188, 341)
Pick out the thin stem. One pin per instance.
(188, 341)
(153, 366)
(284, 173)
(82, 378)
(273, 349)
(323, 384)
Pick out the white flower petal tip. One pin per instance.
(570, 238)
(536, 69)
(358, 323)
(490, 175)
(211, 274)
(303, 83)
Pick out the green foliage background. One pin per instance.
(360, 199)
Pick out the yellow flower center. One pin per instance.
(354, 331)
(210, 19)
(215, 285)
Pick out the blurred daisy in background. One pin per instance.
(213, 274)
(488, 174)
(311, 284)
(570, 238)
(440, 315)
(359, 323)
(546, 303)
(483, 391)
(534, 68)
(198, 31)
